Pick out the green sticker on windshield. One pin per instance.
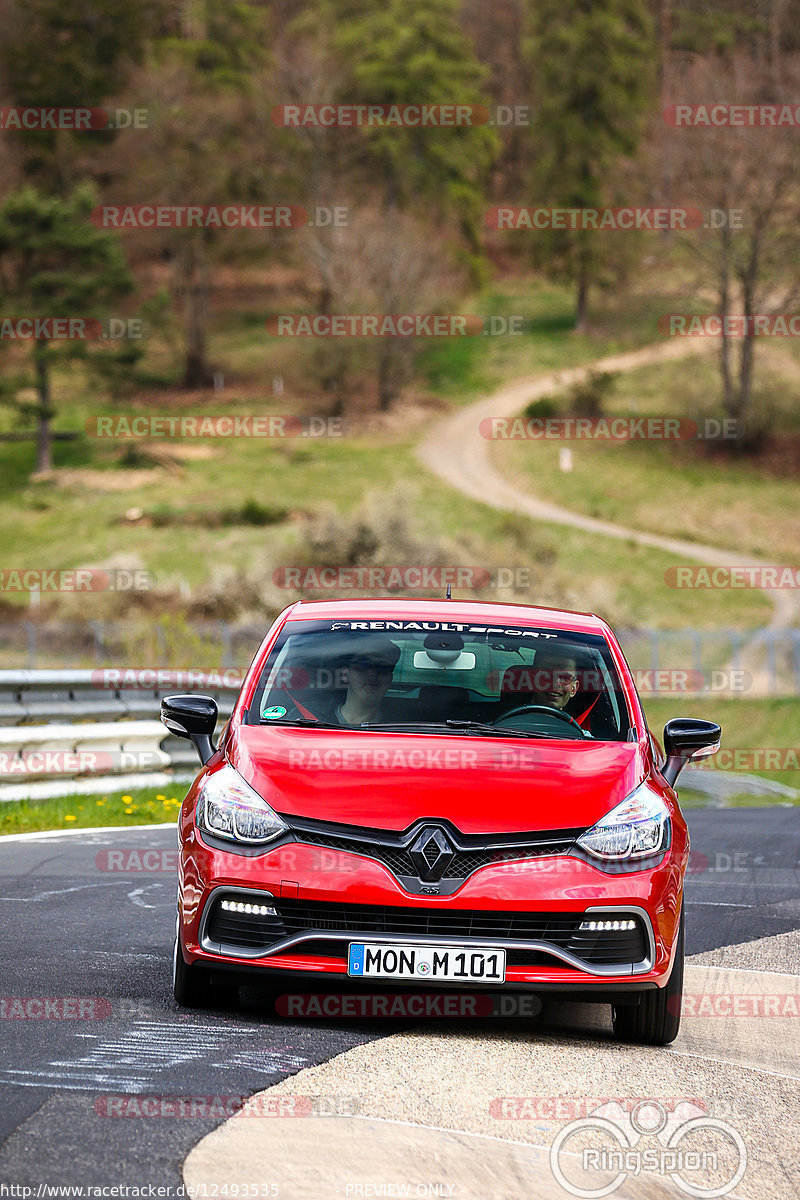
(272, 714)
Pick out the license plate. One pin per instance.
(371, 960)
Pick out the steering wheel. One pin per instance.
(545, 708)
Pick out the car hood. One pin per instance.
(480, 784)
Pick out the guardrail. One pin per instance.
(75, 732)
(68, 732)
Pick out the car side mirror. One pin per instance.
(192, 717)
(687, 739)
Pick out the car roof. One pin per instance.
(471, 611)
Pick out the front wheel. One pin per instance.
(656, 1019)
(192, 986)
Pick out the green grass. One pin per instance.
(621, 581)
(727, 502)
(465, 369)
(746, 725)
(61, 524)
(144, 806)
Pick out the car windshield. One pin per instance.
(442, 676)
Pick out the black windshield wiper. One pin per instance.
(458, 726)
(403, 725)
(495, 730)
(483, 726)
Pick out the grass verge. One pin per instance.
(750, 504)
(747, 726)
(146, 806)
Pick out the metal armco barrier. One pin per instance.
(82, 732)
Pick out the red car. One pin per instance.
(445, 793)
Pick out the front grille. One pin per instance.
(463, 863)
(296, 917)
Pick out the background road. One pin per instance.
(71, 929)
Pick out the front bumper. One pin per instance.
(533, 909)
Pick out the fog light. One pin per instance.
(255, 910)
(605, 926)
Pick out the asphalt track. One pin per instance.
(71, 928)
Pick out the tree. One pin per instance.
(748, 177)
(390, 52)
(199, 149)
(593, 65)
(55, 264)
(415, 52)
(376, 269)
(67, 53)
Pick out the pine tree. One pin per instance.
(55, 264)
(594, 73)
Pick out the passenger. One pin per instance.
(369, 676)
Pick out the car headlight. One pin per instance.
(636, 828)
(229, 808)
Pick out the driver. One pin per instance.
(555, 678)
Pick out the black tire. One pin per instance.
(656, 1019)
(192, 986)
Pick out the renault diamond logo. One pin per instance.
(432, 854)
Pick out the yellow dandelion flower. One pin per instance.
(70, 817)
